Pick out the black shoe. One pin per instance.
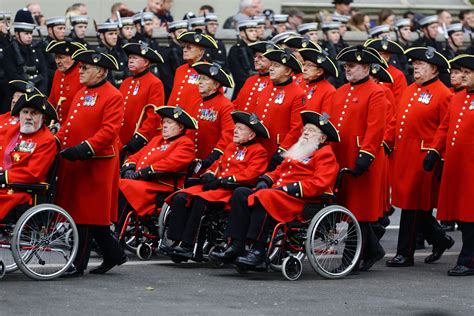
(368, 263)
(167, 249)
(400, 261)
(72, 272)
(183, 251)
(106, 266)
(252, 258)
(437, 253)
(227, 256)
(460, 270)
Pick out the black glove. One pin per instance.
(362, 163)
(261, 185)
(78, 152)
(126, 167)
(276, 160)
(227, 183)
(386, 149)
(130, 174)
(430, 160)
(145, 172)
(279, 189)
(135, 144)
(213, 185)
(213, 156)
(207, 177)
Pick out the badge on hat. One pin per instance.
(96, 58)
(253, 119)
(430, 52)
(143, 48)
(177, 111)
(324, 119)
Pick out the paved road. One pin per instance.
(159, 287)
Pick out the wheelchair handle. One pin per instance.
(340, 175)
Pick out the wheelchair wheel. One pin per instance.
(277, 253)
(2, 269)
(5, 251)
(333, 242)
(144, 251)
(41, 245)
(131, 239)
(163, 227)
(292, 268)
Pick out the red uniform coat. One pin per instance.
(185, 92)
(215, 124)
(399, 84)
(142, 94)
(239, 163)
(248, 94)
(279, 109)
(455, 141)
(29, 159)
(298, 79)
(389, 140)
(88, 189)
(302, 180)
(173, 155)
(318, 93)
(421, 111)
(65, 86)
(359, 113)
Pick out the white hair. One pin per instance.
(245, 3)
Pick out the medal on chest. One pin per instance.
(425, 98)
(89, 100)
(16, 157)
(193, 79)
(262, 86)
(471, 107)
(137, 87)
(26, 146)
(310, 93)
(240, 155)
(14, 121)
(306, 160)
(208, 115)
(280, 97)
(164, 147)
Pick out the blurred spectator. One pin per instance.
(359, 22)
(353, 11)
(466, 17)
(117, 6)
(295, 18)
(444, 20)
(80, 8)
(164, 13)
(342, 7)
(279, 24)
(455, 34)
(247, 10)
(409, 15)
(153, 6)
(205, 9)
(386, 16)
(35, 10)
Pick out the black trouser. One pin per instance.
(412, 221)
(103, 236)
(123, 209)
(184, 221)
(371, 246)
(466, 256)
(247, 222)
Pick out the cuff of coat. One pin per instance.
(146, 172)
(129, 166)
(267, 180)
(231, 179)
(4, 177)
(90, 147)
(368, 153)
(221, 152)
(137, 134)
(294, 189)
(281, 150)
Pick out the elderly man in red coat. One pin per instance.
(454, 142)
(358, 110)
(143, 93)
(66, 77)
(244, 160)
(89, 171)
(172, 151)
(309, 169)
(421, 110)
(27, 150)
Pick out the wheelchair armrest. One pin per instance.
(325, 197)
(159, 174)
(29, 186)
(235, 185)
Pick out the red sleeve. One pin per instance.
(256, 167)
(389, 137)
(150, 121)
(227, 127)
(295, 122)
(439, 141)
(179, 159)
(136, 157)
(376, 118)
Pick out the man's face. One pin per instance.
(405, 33)
(25, 37)
(343, 8)
(154, 5)
(171, 128)
(261, 32)
(109, 38)
(457, 38)
(423, 71)
(249, 34)
(456, 77)
(280, 28)
(333, 36)
(279, 73)
(3, 27)
(355, 71)
(261, 63)
(386, 56)
(63, 62)
(166, 5)
(35, 9)
(313, 36)
(149, 28)
(57, 32)
(445, 17)
(212, 27)
(15, 97)
(342, 29)
(311, 71)
(89, 74)
(137, 64)
(207, 86)
(469, 19)
(31, 120)
(80, 30)
(192, 53)
(127, 32)
(312, 133)
(467, 77)
(242, 134)
(82, 10)
(431, 30)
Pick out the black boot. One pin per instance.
(235, 249)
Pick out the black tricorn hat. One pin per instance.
(252, 121)
(323, 123)
(428, 54)
(262, 46)
(464, 60)
(321, 59)
(384, 45)
(96, 58)
(215, 72)
(37, 101)
(24, 86)
(380, 73)
(143, 50)
(360, 54)
(64, 47)
(197, 38)
(178, 114)
(286, 58)
(301, 42)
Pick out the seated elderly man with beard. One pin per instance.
(309, 169)
(27, 150)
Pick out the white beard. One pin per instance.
(29, 128)
(302, 149)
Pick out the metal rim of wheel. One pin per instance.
(130, 239)
(144, 251)
(277, 254)
(162, 226)
(6, 253)
(333, 242)
(292, 268)
(39, 245)
(2, 269)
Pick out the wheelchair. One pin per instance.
(327, 234)
(42, 241)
